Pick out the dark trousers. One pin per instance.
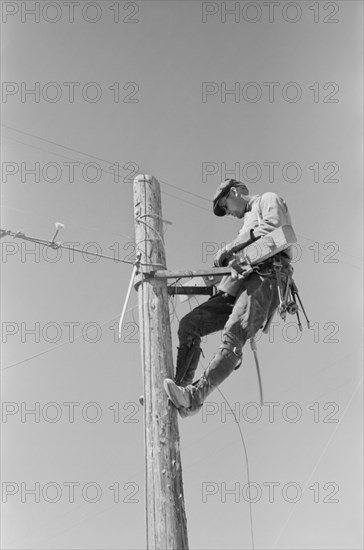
(239, 318)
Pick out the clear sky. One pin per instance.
(270, 93)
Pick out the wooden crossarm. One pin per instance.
(257, 252)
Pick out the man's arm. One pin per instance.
(273, 213)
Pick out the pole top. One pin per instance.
(143, 178)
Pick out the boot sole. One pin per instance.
(175, 395)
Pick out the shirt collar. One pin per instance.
(249, 205)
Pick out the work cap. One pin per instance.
(222, 190)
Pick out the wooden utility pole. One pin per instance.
(165, 511)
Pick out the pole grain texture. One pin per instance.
(165, 511)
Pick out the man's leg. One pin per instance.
(248, 315)
(188, 356)
(205, 319)
(189, 400)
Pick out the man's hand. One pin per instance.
(222, 257)
(212, 280)
(239, 268)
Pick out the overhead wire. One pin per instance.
(85, 154)
(84, 504)
(162, 181)
(68, 223)
(58, 154)
(319, 460)
(110, 507)
(5, 233)
(53, 143)
(73, 509)
(47, 243)
(131, 262)
(120, 260)
(56, 245)
(36, 547)
(91, 329)
(231, 410)
(133, 477)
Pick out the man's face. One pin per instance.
(233, 203)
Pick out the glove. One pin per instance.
(212, 280)
(222, 257)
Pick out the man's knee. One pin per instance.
(233, 337)
(187, 329)
(234, 346)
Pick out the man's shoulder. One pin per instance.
(270, 196)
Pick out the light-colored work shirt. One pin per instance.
(264, 213)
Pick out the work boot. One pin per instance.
(189, 400)
(188, 357)
(179, 395)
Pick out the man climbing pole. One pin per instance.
(240, 307)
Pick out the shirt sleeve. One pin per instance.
(273, 213)
(239, 242)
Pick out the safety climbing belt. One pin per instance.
(288, 296)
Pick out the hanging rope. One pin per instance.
(246, 459)
(253, 346)
(247, 466)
